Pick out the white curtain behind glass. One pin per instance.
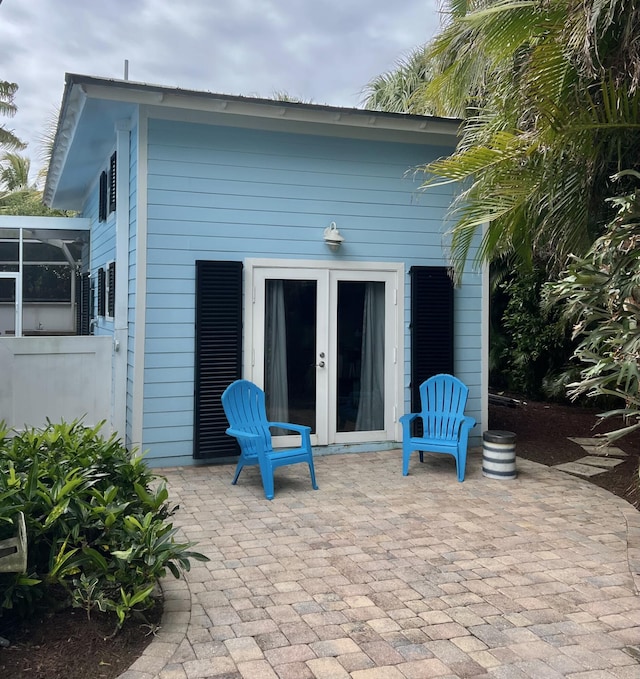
(276, 378)
(371, 406)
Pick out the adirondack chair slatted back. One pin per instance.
(445, 427)
(246, 410)
(443, 400)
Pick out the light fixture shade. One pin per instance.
(332, 237)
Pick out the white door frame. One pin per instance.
(323, 271)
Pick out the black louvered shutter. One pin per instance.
(102, 197)
(111, 295)
(431, 326)
(83, 291)
(112, 184)
(218, 354)
(101, 292)
(92, 303)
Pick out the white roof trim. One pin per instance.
(260, 108)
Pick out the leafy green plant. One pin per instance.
(87, 594)
(529, 340)
(601, 294)
(98, 521)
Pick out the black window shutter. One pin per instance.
(83, 292)
(102, 198)
(101, 292)
(111, 296)
(431, 326)
(112, 184)
(218, 353)
(92, 303)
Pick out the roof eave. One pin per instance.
(79, 88)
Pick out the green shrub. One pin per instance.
(530, 342)
(97, 519)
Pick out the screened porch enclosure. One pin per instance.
(43, 290)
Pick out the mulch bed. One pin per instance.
(543, 431)
(66, 645)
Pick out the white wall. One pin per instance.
(57, 378)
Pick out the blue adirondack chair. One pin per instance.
(244, 406)
(445, 426)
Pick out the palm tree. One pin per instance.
(7, 108)
(551, 99)
(14, 173)
(396, 91)
(19, 195)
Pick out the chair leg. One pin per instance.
(266, 472)
(312, 471)
(239, 468)
(406, 454)
(461, 464)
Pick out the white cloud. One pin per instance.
(323, 50)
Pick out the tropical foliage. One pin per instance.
(601, 295)
(550, 99)
(529, 345)
(18, 194)
(553, 112)
(398, 90)
(99, 532)
(14, 172)
(7, 108)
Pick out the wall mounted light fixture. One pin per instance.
(332, 237)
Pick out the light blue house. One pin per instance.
(215, 253)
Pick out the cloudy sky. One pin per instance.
(320, 50)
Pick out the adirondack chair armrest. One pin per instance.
(468, 422)
(300, 428)
(239, 434)
(409, 418)
(466, 425)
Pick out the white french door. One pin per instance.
(323, 341)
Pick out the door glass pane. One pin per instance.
(290, 351)
(361, 351)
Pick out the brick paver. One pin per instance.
(380, 576)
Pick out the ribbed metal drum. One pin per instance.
(499, 454)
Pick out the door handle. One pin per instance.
(321, 364)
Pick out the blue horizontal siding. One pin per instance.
(158, 405)
(168, 390)
(176, 418)
(191, 144)
(297, 213)
(159, 330)
(232, 193)
(184, 194)
(315, 186)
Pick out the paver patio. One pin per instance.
(380, 576)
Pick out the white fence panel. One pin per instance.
(57, 378)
